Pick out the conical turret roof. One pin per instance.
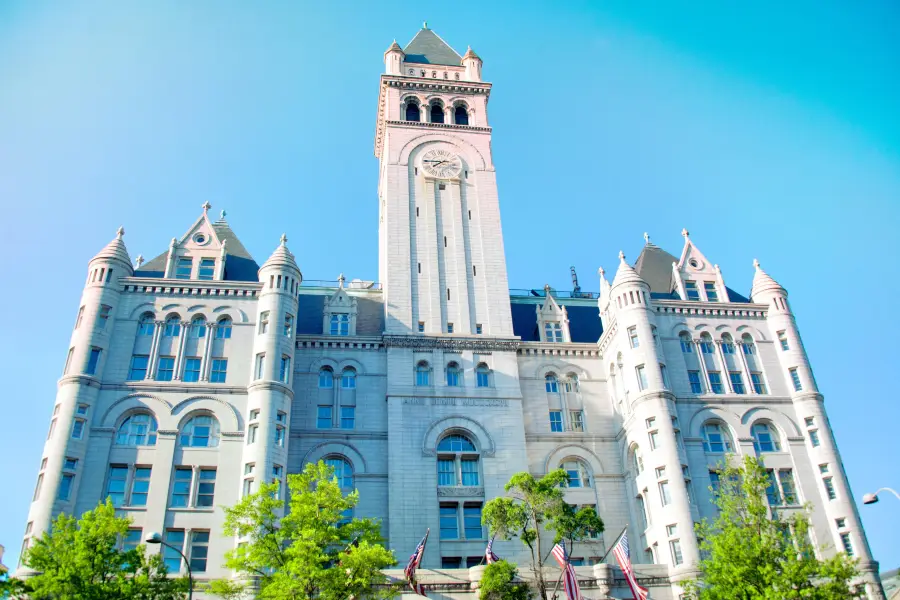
(763, 282)
(281, 257)
(115, 250)
(395, 47)
(470, 54)
(626, 273)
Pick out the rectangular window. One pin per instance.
(650, 423)
(70, 464)
(254, 414)
(348, 417)
(78, 429)
(192, 370)
(665, 375)
(715, 382)
(260, 365)
(782, 339)
(449, 327)
(829, 488)
(115, 486)
(183, 268)
(633, 337)
(132, 539)
(248, 487)
(553, 332)
(252, 430)
(37, 487)
(93, 361)
(737, 382)
(103, 316)
(449, 522)
(279, 436)
(788, 489)
(264, 322)
(207, 269)
(814, 438)
(52, 429)
(446, 472)
(675, 547)
(421, 326)
(171, 557)
(810, 421)
(841, 523)
(641, 377)
(206, 489)
(281, 417)
(79, 317)
(181, 487)
(323, 417)
(660, 472)
(478, 329)
(823, 468)
(694, 378)
(65, 486)
(665, 495)
(68, 360)
(138, 370)
(556, 421)
(140, 486)
(165, 368)
(686, 345)
(714, 482)
(772, 495)
(288, 329)
(469, 471)
(284, 372)
(759, 386)
(219, 370)
(472, 521)
(450, 562)
(690, 287)
(199, 551)
(577, 419)
(847, 544)
(710, 288)
(654, 439)
(795, 379)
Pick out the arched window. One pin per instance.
(198, 327)
(348, 379)
(173, 326)
(579, 475)
(137, 430)
(747, 344)
(642, 511)
(146, 325)
(571, 383)
(326, 377)
(551, 383)
(457, 461)
(482, 376)
(461, 115)
(200, 432)
(343, 472)
(716, 438)
(706, 344)
(453, 374)
(412, 111)
(637, 459)
(423, 374)
(765, 438)
(727, 344)
(437, 113)
(223, 328)
(687, 345)
(655, 334)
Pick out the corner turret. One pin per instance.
(472, 62)
(393, 57)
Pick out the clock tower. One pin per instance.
(441, 257)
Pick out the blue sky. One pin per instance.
(768, 129)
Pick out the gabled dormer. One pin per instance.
(209, 251)
(340, 312)
(695, 277)
(553, 320)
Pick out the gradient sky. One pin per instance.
(769, 129)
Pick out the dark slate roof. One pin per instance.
(427, 48)
(239, 265)
(584, 321)
(654, 266)
(311, 310)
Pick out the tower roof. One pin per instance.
(654, 265)
(625, 273)
(115, 250)
(763, 282)
(428, 48)
(282, 257)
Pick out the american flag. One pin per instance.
(413, 563)
(624, 558)
(489, 555)
(570, 581)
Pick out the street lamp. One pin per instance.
(873, 498)
(155, 538)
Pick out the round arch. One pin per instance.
(462, 424)
(786, 425)
(472, 154)
(558, 455)
(132, 402)
(348, 451)
(714, 413)
(229, 419)
(141, 309)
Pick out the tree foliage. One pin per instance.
(532, 505)
(312, 551)
(752, 552)
(498, 582)
(80, 558)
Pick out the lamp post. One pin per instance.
(155, 538)
(873, 498)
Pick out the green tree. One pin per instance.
(753, 552)
(498, 582)
(313, 551)
(532, 505)
(81, 558)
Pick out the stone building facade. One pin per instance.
(194, 376)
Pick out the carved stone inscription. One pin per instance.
(481, 402)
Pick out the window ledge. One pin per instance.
(188, 509)
(460, 491)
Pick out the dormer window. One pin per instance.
(690, 287)
(207, 269)
(183, 268)
(710, 288)
(340, 324)
(340, 313)
(553, 332)
(552, 320)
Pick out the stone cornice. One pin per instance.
(720, 309)
(265, 385)
(357, 342)
(572, 349)
(427, 125)
(189, 287)
(425, 342)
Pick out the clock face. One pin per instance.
(442, 164)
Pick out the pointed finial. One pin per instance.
(621, 256)
(601, 272)
(206, 206)
(173, 243)
(222, 214)
(139, 260)
(756, 264)
(120, 232)
(424, 24)
(341, 280)
(646, 238)
(716, 267)
(685, 233)
(283, 239)
(547, 289)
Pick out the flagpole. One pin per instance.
(618, 537)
